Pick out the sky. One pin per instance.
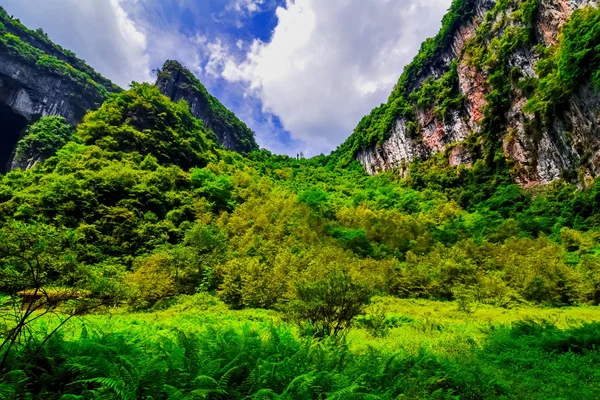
(300, 73)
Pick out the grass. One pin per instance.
(411, 324)
(196, 347)
(440, 327)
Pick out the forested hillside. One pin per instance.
(143, 260)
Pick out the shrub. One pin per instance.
(249, 282)
(152, 280)
(329, 303)
(43, 138)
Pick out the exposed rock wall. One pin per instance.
(539, 154)
(177, 83)
(399, 148)
(31, 93)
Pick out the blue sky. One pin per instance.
(300, 73)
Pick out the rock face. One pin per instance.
(31, 93)
(38, 78)
(26, 94)
(538, 153)
(177, 83)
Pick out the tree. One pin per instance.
(329, 303)
(42, 139)
(39, 264)
(209, 245)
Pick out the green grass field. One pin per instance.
(401, 349)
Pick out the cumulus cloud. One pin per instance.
(328, 63)
(99, 31)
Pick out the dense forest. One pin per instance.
(143, 260)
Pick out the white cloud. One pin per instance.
(217, 56)
(246, 6)
(328, 63)
(99, 31)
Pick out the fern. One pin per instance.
(12, 383)
(265, 394)
(206, 382)
(115, 385)
(359, 396)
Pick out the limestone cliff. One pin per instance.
(479, 86)
(38, 78)
(176, 82)
(31, 92)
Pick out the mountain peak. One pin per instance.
(177, 82)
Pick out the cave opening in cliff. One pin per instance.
(11, 128)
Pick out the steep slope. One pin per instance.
(177, 82)
(39, 78)
(506, 83)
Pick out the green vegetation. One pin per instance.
(154, 211)
(199, 349)
(43, 138)
(203, 273)
(142, 120)
(441, 95)
(31, 44)
(574, 62)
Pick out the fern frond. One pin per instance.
(116, 385)
(205, 382)
(265, 394)
(224, 381)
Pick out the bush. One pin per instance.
(329, 303)
(249, 282)
(43, 138)
(152, 280)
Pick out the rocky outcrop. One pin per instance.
(31, 93)
(178, 83)
(28, 93)
(537, 152)
(437, 133)
(39, 78)
(398, 149)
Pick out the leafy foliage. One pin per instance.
(43, 138)
(145, 121)
(575, 63)
(329, 303)
(206, 352)
(441, 94)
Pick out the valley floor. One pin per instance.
(195, 347)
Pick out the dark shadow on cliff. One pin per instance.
(11, 128)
